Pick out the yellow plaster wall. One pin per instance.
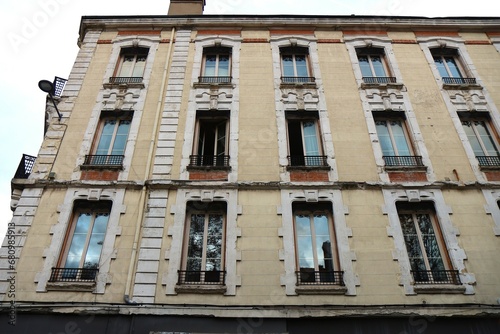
(486, 60)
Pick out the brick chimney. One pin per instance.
(186, 7)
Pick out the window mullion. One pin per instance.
(391, 137)
(479, 139)
(370, 63)
(205, 238)
(421, 241)
(313, 241)
(87, 240)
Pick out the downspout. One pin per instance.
(148, 171)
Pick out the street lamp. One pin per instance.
(48, 87)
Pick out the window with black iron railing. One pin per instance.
(25, 167)
(215, 79)
(323, 277)
(209, 160)
(403, 161)
(211, 277)
(298, 80)
(488, 161)
(307, 160)
(125, 80)
(73, 274)
(436, 277)
(379, 80)
(103, 160)
(459, 81)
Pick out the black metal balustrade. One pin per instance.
(103, 160)
(307, 160)
(403, 160)
(214, 79)
(379, 80)
(212, 277)
(125, 80)
(298, 79)
(209, 160)
(306, 277)
(436, 277)
(59, 84)
(459, 81)
(73, 274)
(493, 161)
(25, 167)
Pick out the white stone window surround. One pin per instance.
(496, 42)
(52, 254)
(492, 207)
(311, 44)
(398, 100)
(135, 96)
(428, 43)
(202, 42)
(342, 232)
(177, 232)
(449, 232)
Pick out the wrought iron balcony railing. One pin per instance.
(73, 274)
(298, 79)
(209, 160)
(25, 167)
(212, 277)
(488, 161)
(403, 161)
(459, 81)
(306, 277)
(204, 79)
(103, 160)
(436, 277)
(379, 80)
(125, 80)
(307, 160)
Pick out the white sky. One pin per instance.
(39, 42)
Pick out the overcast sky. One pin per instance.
(39, 42)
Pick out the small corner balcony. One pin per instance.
(25, 167)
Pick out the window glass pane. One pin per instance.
(288, 69)
(413, 248)
(473, 139)
(378, 66)
(486, 138)
(384, 138)
(126, 66)
(96, 241)
(311, 147)
(221, 138)
(304, 241)
(452, 66)
(214, 242)
(106, 137)
(399, 138)
(121, 138)
(210, 65)
(430, 242)
(195, 242)
(323, 243)
(138, 70)
(438, 60)
(364, 65)
(301, 64)
(78, 240)
(223, 66)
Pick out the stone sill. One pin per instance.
(439, 288)
(321, 290)
(123, 85)
(213, 85)
(462, 86)
(308, 168)
(71, 286)
(396, 85)
(299, 85)
(209, 168)
(100, 167)
(201, 289)
(405, 168)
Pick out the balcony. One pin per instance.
(25, 167)
(298, 80)
(403, 161)
(125, 80)
(73, 274)
(436, 277)
(214, 80)
(379, 80)
(213, 277)
(459, 81)
(209, 161)
(307, 160)
(310, 277)
(103, 161)
(488, 161)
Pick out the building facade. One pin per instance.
(264, 174)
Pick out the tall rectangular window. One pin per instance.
(483, 141)
(110, 144)
(373, 66)
(295, 65)
(204, 244)
(316, 252)
(425, 245)
(130, 68)
(83, 242)
(211, 146)
(216, 65)
(304, 142)
(450, 67)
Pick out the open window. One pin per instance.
(373, 65)
(211, 142)
(204, 244)
(131, 65)
(110, 142)
(216, 67)
(304, 140)
(450, 67)
(425, 245)
(482, 137)
(295, 67)
(81, 253)
(316, 245)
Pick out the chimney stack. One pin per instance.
(186, 7)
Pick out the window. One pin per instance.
(425, 245)
(112, 139)
(315, 241)
(211, 142)
(373, 66)
(449, 66)
(304, 144)
(130, 69)
(393, 139)
(483, 141)
(83, 242)
(295, 65)
(216, 65)
(204, 244)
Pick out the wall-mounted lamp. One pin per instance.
(52, 89)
